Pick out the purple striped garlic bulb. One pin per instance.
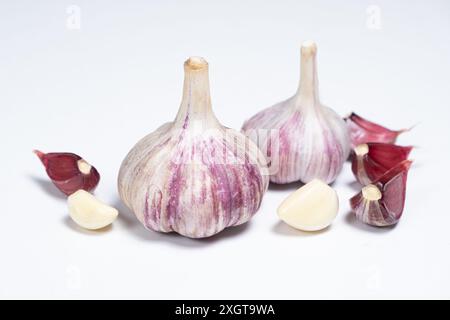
(194, 176)
(302, 139)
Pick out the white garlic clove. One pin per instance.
(301, 138)
(313, 207)
(90, 213)
(365, 131)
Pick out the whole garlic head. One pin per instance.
(194, 176)
(303, 139)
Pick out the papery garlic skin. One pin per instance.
(365, 131)
(90, 213)
(311, 140)
(193, 176)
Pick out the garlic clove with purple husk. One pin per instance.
(69, 172)
(372, 160)
(365, 131)
(302, 139)
(194, 176)
(381, 203)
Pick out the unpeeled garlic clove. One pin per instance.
(364, 131)
(381, 203)
(90, 213)
(313, 207)
(372, 160)
(301, 138)
(69, 172)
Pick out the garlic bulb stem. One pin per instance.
(308, 92)
(195, 106)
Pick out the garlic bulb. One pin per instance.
(313, 207)
(303, 139)
(194, 176)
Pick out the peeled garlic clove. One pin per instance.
(381, 203)
(364, 131)
(313, 207)
(372, 160)
(90, 213)
(302, 138)
(194, 176)
(69, 172)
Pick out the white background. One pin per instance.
(97, 90)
